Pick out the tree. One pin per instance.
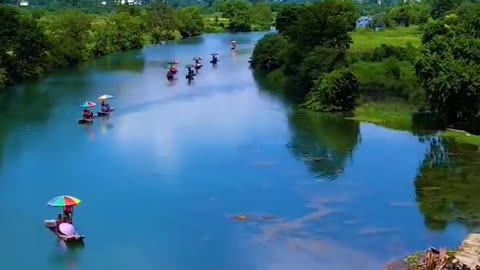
(190, 21)
(288, 16)
(402, 15)
(23, 47)
(440, 8)
(70, 33)
(239, 15)
(121, 32)
(317, 63)
(262, 16)
(335, 92)
(161, 21)
(449, 67)
(268, 53)
(325, 24)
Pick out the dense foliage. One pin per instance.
(335, 92)
(308, 48)
(449, 68)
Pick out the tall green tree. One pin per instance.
(24, 48)
(325, 24)
(190, 21)
(161, 21)
(449, 67)
(239, 14)
(288, 16)
(262, 16)
(70, 34)
(440, 8)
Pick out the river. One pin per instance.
(160, 180)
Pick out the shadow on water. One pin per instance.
(323, 142)
(22, 107)
(66, 257)
(447, 185)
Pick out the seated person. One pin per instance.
(105, 107)
(87, 115)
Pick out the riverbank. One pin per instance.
(398, 115)
(464, 257)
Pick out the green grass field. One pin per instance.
(398, 37)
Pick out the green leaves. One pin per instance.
(450, 66)
(324, 24)
(268, 53)
(334, 92)
(190, 21)
(239, 15)
(161, 21)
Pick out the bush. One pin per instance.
(383, 52)
(388, 79)
(318, 62)
(335, 92)
(268, 54)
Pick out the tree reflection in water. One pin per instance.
(448, 184)
(23, 106)
(323, 142)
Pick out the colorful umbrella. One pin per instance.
(173, 62)
(198, 57)
(214, 54)
(104, 97)
(64, 200)
(87, 104)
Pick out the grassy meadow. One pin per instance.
(368, 39)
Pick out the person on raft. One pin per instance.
(214, 59)
(67, 211)
(87, 115)
(234, 45)
(170, 75)
(191, 73)
(106, 107)
(173, 69)
(198, 62)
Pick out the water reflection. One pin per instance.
(121, 62)
(25, 106)
(447, 185)
(323, 142)
(65, 257)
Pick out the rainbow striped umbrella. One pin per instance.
(105, 97)
(88, 104)
(64, 200)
